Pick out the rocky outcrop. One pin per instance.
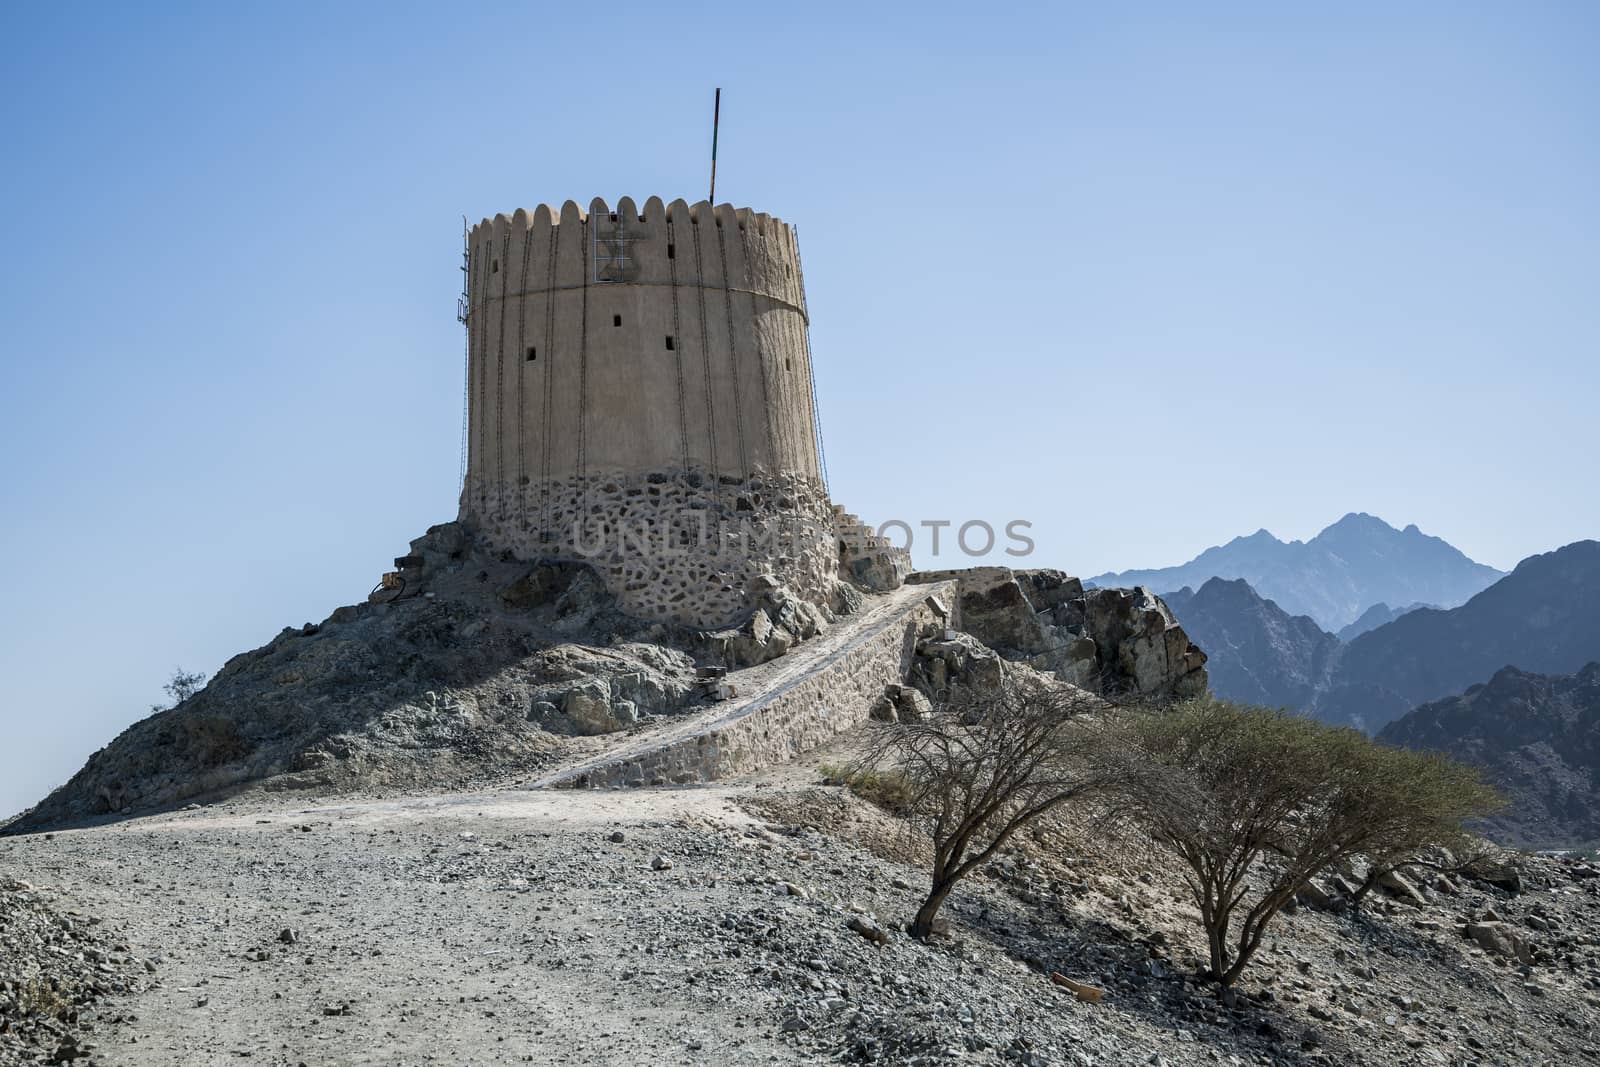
(1355, 563)
(1115, 642)
(903, 704)
(1258, 653)
(779, 621)
(956, 659)
(1537, 737)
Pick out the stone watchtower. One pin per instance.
(639, 396)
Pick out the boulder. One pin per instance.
(1316, 896)
(779, 621)
(1498, 874)
(587, 709)
(877, 570)
(1401, 889)
(912, 706)
(956, 659)
(1501, 940)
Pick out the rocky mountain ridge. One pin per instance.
(1257, 652)
(1536, 736)
(1543, 617)
(1380, 614)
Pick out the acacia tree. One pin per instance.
(978, 770)
(1256, 802)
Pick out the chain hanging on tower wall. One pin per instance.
(816, 414)
(463, 311)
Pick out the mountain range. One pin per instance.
(1536, 736)
(1544, 616)
(1337, 576)
(1508, 681)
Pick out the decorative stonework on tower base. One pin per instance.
(676, 545)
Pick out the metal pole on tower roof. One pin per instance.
(716, 120)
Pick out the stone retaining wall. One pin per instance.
(793, 718)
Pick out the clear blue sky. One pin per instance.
(1148, 276)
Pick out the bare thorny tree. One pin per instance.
(981, 768)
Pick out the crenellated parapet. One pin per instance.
(755, 252)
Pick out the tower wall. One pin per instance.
(681, 472)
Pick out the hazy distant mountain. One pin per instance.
(1543, 617)
(1537, 737)
(1357, 562)
(1374, 617)
(1258, 653)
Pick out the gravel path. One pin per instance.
(489, 929)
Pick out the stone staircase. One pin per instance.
(782, 709)
(865, 558)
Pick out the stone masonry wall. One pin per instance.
(672, 545)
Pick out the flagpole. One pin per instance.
(716, 120)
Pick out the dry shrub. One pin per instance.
(886, 789)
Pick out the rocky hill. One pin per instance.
(477, 668)
(481, 669)
(1543, 617)
(1257, 653)
(1536, 736)
(1357, 562)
